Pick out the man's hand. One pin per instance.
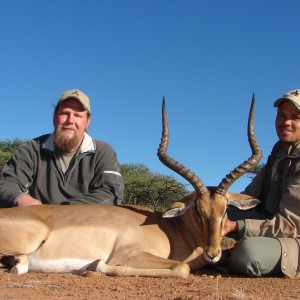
(230, 226)
(26, 200)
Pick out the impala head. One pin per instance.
(210, 203)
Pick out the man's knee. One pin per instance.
(252, 257)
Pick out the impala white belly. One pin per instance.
(64, 265)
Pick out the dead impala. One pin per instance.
(125, 240)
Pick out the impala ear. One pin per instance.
(178, 211)
(243, 204)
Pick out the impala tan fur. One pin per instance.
(125, 240)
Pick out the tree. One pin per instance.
(10, 146)
(149, 189)
(7, 147)
(4, 157)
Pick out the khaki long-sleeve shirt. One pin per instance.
(278, 187)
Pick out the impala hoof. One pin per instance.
(93, 266)
(18, 270)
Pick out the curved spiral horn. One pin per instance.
(181, 170)
(247, 165)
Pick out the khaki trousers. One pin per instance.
(254, 256)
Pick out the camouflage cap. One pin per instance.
(293, 96)
(77, 94)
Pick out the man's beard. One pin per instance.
(63, 143)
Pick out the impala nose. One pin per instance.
(211, 257)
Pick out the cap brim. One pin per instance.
(280, 100)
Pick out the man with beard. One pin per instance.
(65, 167)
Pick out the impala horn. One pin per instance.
(247, 165)
(180, 169)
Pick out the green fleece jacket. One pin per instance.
(93, 175)
(278, 187)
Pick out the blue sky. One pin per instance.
(205, 57)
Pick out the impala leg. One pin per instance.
(144, 264)
(21, 266)
(22, 232)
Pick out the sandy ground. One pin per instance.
(204, 285)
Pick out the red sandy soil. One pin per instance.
(206, 284)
